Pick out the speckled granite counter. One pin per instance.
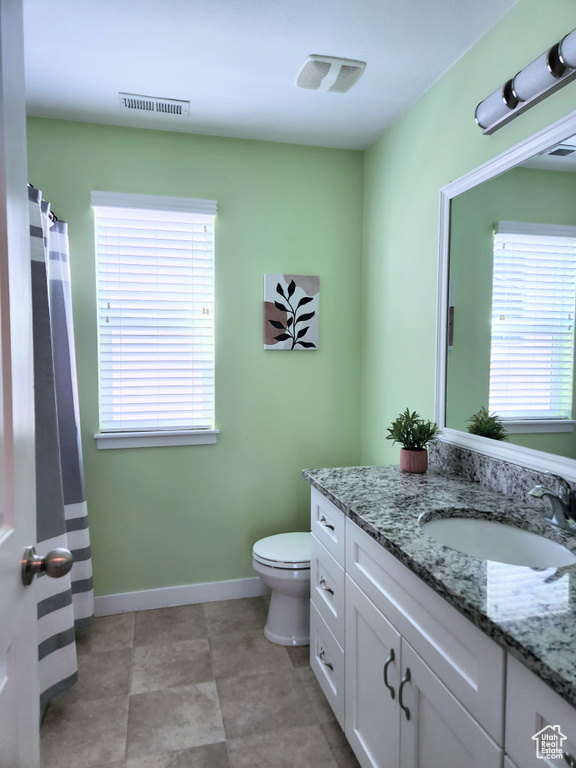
(532, 613)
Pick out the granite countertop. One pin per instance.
(532, 613)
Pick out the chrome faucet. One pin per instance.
(563, 502)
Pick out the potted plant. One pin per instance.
(487, 425)
(413, 433)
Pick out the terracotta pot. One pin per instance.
(413, 461)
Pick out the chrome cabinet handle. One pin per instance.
(323, 586)
(325, 523)
(403, 682)
(326, 663)
(571, 761)
(389, 661)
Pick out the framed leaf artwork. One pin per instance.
(291, 312)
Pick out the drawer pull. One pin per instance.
(321, 657)
(405, 679)
(571, 761)
(323, 586)
(389, 661)
(325, 523)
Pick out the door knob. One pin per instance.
(56, 563)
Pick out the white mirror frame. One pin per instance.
(525, 457)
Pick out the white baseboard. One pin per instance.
(186, 594)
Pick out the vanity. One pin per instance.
(429, 657)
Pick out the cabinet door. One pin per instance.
(436, 730)
(372, 679)
(532, 708)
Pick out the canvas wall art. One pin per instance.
(291, 312)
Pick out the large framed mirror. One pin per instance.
(507, 302)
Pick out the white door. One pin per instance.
(18, 643)
(436, 730)
(373, 665)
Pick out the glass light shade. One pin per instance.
(568, 50)
(536, 77)
(492, 109)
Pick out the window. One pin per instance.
(155, 280)
(533, 303)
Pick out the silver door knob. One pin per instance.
(56, 563)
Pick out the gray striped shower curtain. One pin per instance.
(61, 506)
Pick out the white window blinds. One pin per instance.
(533, 303)
(155, 276)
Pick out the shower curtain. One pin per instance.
(62, 521)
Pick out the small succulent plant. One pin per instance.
(487, 425)
(412, 431)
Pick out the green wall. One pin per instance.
(184, 515)
(435, 142)
(521, 194)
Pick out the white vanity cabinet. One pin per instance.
(375, 624)
(532, 706)
(397, 710)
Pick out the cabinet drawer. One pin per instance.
(468, 662)
(531, 706)
(328, 525)
(327, 662)
(327, 588)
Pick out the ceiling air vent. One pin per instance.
(132, 102)
(328, 73)
(562, 150)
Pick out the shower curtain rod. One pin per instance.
(51, 214)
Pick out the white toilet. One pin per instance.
(283, 564)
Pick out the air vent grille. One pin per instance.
(328, 73)
(562, 151)
(133, 102)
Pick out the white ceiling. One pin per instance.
(236, 61)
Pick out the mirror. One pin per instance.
(495, 348)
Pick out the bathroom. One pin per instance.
(179, 522)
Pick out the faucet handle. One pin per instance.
(565, 489)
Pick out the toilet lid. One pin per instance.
(288, 550)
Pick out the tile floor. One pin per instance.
(197, 686)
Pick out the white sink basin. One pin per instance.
(490, 540)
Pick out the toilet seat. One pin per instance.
(289, 551)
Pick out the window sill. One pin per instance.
(534, 426)
(108, 440)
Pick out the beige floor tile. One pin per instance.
(174, 719)
(106, 633)
(322, 710)
(209, 756)
(299, 655)
(169, 625)
(101, 675)
(246, 653)
(266, 702)
(236, 615)
(303, 747)
(156, 667)
(339, 745)
(84, 734)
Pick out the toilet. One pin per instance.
(283, 564)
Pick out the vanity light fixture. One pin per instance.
(546, 74)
